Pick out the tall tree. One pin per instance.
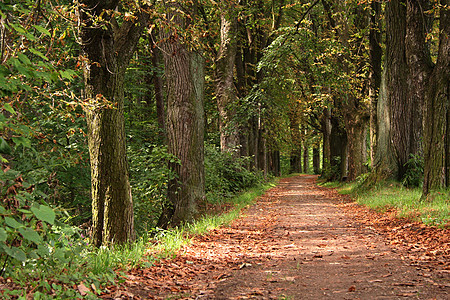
(225, 89)
(375, 60)
(184, 70)
(437, 111)
(107, 48)
(394, 123)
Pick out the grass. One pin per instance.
(435, 210)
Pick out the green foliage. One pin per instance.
(35, 246)
(226, 175)
(149, 176)
(414, 173)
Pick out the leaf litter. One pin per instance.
(302, 241)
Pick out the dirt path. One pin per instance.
(298, 242)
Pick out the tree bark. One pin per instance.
(316, 160)
(225, 90)
(403, 110)
(326, 132)
(305, 157)
(185, 125)
(437, 114)
(375, 57)
(338, 149)
(274, 162)
(296, 142)
(107, 50)
(356, 132)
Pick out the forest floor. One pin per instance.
(303, 241)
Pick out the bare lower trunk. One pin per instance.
(356, 149)
(437, 115)
(296, 151)
(338, 150)
(305, 157)
(225, 90)
(274, 163)
(185, 128)
(316, 160)
(375, 53)
(326, 131)
(404, 109)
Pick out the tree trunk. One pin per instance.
(356, 132)
(185, 125)
(274, 162)
(262, 152)
(316, 160)
(418, 58)
(326, 151)
(225, 90)
(107, 50)
(437, 114)
(253, 142)
(404, 111)
(305, 157)
(375, 57)
(384, 164)
(296, 150)
(338, 150)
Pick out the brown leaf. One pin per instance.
(83, 289)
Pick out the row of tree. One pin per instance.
(365, 81)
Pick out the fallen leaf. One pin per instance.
(83, 289)
(245, 265)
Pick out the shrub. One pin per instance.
(414, 172)
(149, 176)
(226, 175)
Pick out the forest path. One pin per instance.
(300, 241)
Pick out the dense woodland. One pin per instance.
(118, 117)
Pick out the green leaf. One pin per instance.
(17, 28)
(2, 210)
(23, 58)
(33, 254)
(26, 143)
(38, 53)
(9, 108)
(18, 254)
(67, 74)
(43, 250)
(30, 235)
(4, 147)
(24, 211)
(14, 252)
(3, 160)
(3, 235)
(42, 30)
(12, 223)
(44, 213)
